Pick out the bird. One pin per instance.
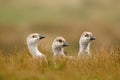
(32, 43)
(58, 46)
(84, 43)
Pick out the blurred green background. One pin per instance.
(67, 18)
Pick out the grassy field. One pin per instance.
(67, 18)
(104, 65)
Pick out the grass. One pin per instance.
(69, 18)
(103, 65)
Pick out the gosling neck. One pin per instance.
(58, 51)
(34, 50)
(84, 48)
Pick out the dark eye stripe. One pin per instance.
(60, 40)
(87, 35)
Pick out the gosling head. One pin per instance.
(34, 39)
(58, 45)
(86, 38)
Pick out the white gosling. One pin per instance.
(58, 49)
(32, 43)
(58, 46)
(84, 43)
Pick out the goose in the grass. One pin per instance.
(84, 43)
(58, 48)
(32, 43)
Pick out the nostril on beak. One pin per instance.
(65, 44)
(92, 38)
(41, 36)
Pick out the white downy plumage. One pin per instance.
(58, 49)
(84, 43)
(58, 46)
(32, 43)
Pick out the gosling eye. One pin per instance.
(60, 40)
(87, 35)
(33, 36)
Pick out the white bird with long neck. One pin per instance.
(84, 42)
(32, 43)
(58, 46)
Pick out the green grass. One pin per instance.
(32, 11)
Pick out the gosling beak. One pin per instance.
(65, 44)
(92, 38)
(41, 36)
